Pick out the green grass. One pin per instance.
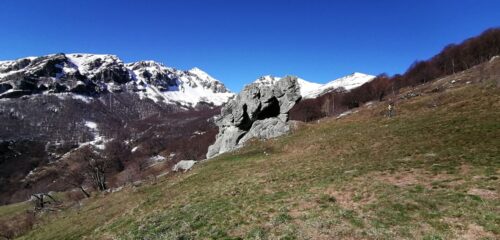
(12, 209)
(360, 177)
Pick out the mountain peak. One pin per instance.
(202, 75)
(348, 82)
(197, 70)
(359, 74)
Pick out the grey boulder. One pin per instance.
(259, 111)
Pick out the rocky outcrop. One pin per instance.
(184, 165)
(259, 111)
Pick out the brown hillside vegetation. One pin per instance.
(452, 59)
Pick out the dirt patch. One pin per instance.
(474, 232)
(318, 230)
(398, 179)
(302, 208)
(465, 231)
(483, 193)
(346, 199)
(311, 231)
(415, 177)
(349, 198)
(465, 169)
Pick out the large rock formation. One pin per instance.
(259, 111)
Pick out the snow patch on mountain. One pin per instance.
(169, 85)
(99, 140)
(91, 125)
(90, 64)
(313, 90)
(348, 82)
(307, 87)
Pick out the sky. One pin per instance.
(239, 41)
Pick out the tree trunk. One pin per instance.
(84, 192)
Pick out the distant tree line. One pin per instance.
(452, 59)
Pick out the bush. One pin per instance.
(17, 225)
(74, 196)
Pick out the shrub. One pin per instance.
(17, 225)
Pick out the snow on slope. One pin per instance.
(156, 81)
(307, 87)
(313, 90)
(348, 82)
(161, 83)
(85, 63)
(6, 64)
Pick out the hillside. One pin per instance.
(139, 114)
(430, 172)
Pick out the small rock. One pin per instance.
(183, 165)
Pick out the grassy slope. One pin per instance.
(431, 172)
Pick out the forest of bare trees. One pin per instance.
(452, 59)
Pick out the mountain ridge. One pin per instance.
(150, 79)
(310, 89)
(90, 74)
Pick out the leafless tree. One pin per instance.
(94, 167)
(75, 177)
(42, 199)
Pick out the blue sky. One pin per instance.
(238, 41)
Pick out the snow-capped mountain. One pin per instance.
(93, 74)
(54, 106)
(161, 83)
(347, 83)
(313, 90)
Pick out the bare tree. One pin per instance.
(94, 167)
(75, 177)
(42, 199)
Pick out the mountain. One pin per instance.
(310, 90)
(94, 74)
(347, 83)
(143, 114)
(189, 88)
